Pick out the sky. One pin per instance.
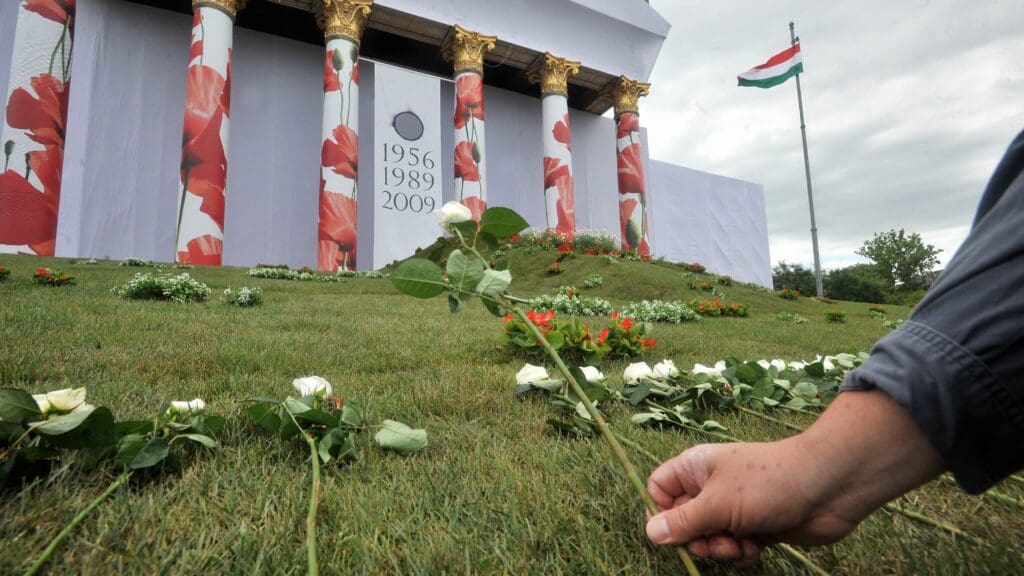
(909, 106)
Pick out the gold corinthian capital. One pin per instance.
(626, 94)
(553, 73)
(229, 7)
(466, 49)
(343, 18)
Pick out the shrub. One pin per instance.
(595, 242)
(279, 274)
(791, 318)
(724, 280)
(181, 288)
(716, 307)
(548, 238)
(572, 338)
(4, 273)
(89, 262)
(553, 268)
(568, 300)
(626, 338)
(47, 277)
(877, 308)
(244, 297)
(892, 324)
(859, 283)
(696, 267)
(835, 315)
(593, 281)
(135, 262)
(788, 294)
(702, 286)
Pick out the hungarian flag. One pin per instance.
(776, 70)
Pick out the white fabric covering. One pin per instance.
(717, 221)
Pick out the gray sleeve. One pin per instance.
(957, 365)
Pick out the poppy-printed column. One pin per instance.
(35, 113)
(633, 219)
(559, 197)
(343, 22)
(204, 165)
(466, 49)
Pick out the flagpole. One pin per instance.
(807, 172)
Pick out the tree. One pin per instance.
(901, 259)
(794, 277)
(859, 283)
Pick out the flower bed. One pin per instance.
(48, 277)
(787, 294)
(182, 288)
(836, 316)
(715, 307)
(660, 311)
(4, 273)
(243, 297)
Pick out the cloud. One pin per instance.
(909, 106)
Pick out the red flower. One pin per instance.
(553, 170)
(514, 239)
(338, 221)
(566, 206)
(469, 99)
(28, 216)
(603, 336)
(627, 324)
(628, 123)
(204, 250)
(508, 318)
(565, 248)
(43, 116)
(203, 161)
(615, 315)
(331, 82)
(561, 132)
(649, 343)
(476, 206)
(40, 271)
(60, 11)
(465, 165)
(631, 170)
(342, 154)
(355, 73)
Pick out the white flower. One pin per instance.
(797, 365)
(764, 364)
(42, 402)
(665, 369)
(712, 371)
(187, 407)
(591, 373)
(312, 386)
(452, 213)
(66, 400)
(779, 363)
(826, 362)
(634, 372)
(530, 374)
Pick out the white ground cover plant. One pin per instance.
(660, 311)
(593, 281)
(791, 317)
(135, 262)
(181, 288)
(243, 297)
(575, 305)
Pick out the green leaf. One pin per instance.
(712, 426)
(128, 447)
(556, 339)
(151, 454)
(318, 417)
(200, 439)
(17, 405)
(746, 374)
(62, 424)
(454, 304)
(264, 400)
(265, 415)
(797, 403)
(647, 417)
(805, 390)
(464, 272)
(296, 407)
(418, 277)
(97, 431)
(502, 222)
(336, 444)
(815, 370)
(9, 431)
(351, 416)
(494, 282)
(493, 307)
(288, 428)
(134, 427)
(396, 436)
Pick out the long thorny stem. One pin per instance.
(609, 436)
(45, 556)
(314, 501)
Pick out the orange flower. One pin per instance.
(508, 318)
(627, 323)
(649, 343)
(603, 336)
(40, 271)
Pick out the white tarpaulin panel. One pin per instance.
(407, 162)
(717, 221)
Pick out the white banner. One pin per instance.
(406, 162)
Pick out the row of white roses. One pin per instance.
(72, 400)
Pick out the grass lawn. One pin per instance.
(495, 492)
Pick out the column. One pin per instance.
(343, 22)
(35, 114)
(560, 205)
(633, 220)
(466, 49)
(204, 165)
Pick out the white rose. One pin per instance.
(797, 365)
(591, 373)
(42, 402)
(764, 364)
(530, 374)
(665, 369)
(826, 362)
(779, 363)
(188, 407)
(712, 371)
(634, 372)
(452, 213)
(67, 399)
(312, 386)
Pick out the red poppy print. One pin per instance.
(628, 123)
(197, 43)
(465, 166)
(566, 206)
(43, 115)
(355, 73)
(626, 208)
(553, 170)
(331, 82)
(205, 251)
(59, 11)
(476, 207)
(342, 154)
(469, 99)
(47, 165)
(338, 218)
(27, 216)
(561, 132)
(225, 95)
(631, 170)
